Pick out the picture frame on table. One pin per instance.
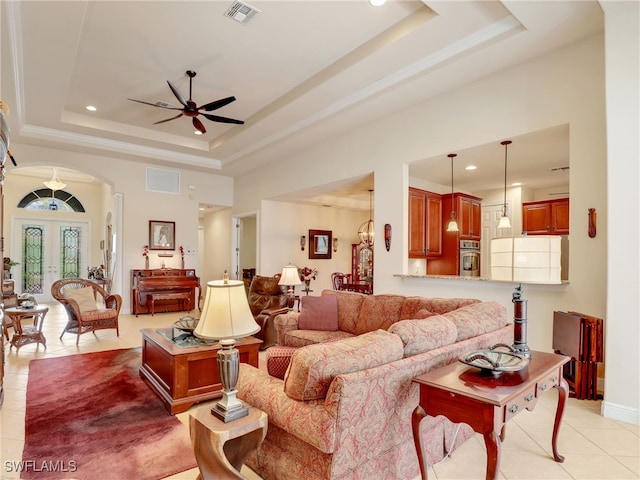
(162, 235)
(320, 242)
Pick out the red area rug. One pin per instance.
(91, 417)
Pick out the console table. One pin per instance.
(486, 402)
(184, 372)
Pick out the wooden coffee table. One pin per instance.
(184, 375)
(486, 402)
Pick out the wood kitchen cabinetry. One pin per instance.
(425, 224)
(547, 217)
(468, 212)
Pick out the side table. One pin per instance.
(486, 402)
(221, 448)
(24, 335)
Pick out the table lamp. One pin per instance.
(226, 316)
(526, 259)
(290, 278)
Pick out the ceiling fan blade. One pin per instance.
(199, 126)
(217, 104)
(154, 104)
(177, 93)
(216, 118)
(168, 119)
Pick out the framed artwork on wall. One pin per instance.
(162, 235)
(320, 244)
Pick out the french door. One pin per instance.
(47, 251)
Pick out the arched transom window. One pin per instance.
(47, 199)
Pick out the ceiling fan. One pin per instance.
(191, 110)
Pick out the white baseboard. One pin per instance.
(621, 413)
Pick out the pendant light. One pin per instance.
(55, 183)
(504, 219)
(453, 224)
(366, 231)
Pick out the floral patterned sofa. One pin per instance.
(343, 409)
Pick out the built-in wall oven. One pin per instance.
(469, 258)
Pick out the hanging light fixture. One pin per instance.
(453, 224)
(55, 183)
(366, 231)
(504, 219)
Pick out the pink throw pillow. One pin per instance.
(319, 313)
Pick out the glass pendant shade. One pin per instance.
(366, 231)
(504, 222)
(452, 226)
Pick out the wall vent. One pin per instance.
(163, 181)
(560, 169)
(241, 12)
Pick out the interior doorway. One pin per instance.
(245, 242)
(491, 214)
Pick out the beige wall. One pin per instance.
(127, 180)
(564, 87)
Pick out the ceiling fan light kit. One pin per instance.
(190, 108)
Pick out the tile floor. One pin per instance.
(595, 448)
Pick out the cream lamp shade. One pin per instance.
(526, 259)
(290, 276)
(225, 312)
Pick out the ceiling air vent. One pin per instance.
(560, 169)
(241, 12)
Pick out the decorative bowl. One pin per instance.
(495, 361)
(186, 324)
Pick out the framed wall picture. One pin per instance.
(320, 244)
(162, 235)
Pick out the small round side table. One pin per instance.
(24, 335)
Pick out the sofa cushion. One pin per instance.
(319, 313)
(349, 304)
(419, 336)
(302, 338)
(84, 297)
(437, 305)
(477, 319)
(378, 312)
(313, 368)
(424, 313)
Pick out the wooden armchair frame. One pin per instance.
(83, 322)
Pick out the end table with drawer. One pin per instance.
(487, 402)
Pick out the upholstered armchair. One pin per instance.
(89, 307)
(267, 299)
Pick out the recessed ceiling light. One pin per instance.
(91, 108)
(377, 3)
(470, 167)
(197, 132)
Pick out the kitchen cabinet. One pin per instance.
(546, 217)
(469, 211)
(425, 224)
